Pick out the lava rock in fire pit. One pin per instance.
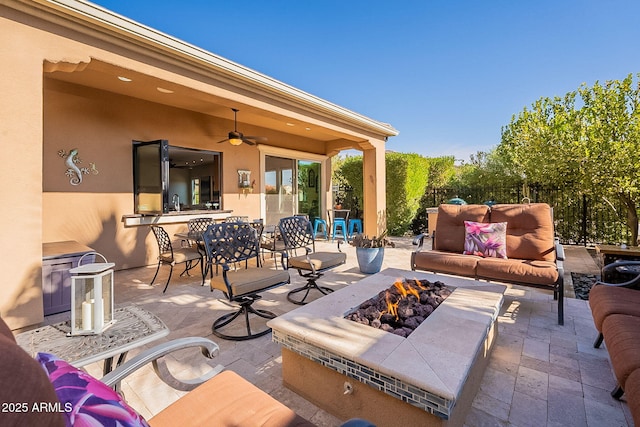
(401, 308)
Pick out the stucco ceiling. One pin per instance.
(107, 77)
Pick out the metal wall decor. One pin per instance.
(73, 171)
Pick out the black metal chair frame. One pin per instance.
(297, 233)
(165, 248)
(273, 243)
(226, 245)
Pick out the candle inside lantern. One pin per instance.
(87, 315)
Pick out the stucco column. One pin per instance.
(374, 189)
(21, 177)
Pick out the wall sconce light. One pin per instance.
(91, 297)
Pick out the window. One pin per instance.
(167, 177)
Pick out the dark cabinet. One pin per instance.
(57, 259)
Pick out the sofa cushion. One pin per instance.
(530, 230)
(607, 300)
(227, 400)
(24, 383)
(622, 337)
(450, 230)
(446, 262)
(84, 399)
(485, 239)
(518, 270)
(632, 391)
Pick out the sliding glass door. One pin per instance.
(280, 188)
(292, 187)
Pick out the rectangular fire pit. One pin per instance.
(353, 370)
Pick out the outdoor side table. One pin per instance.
(134, 327)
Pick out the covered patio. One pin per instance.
(87, 88)
(539, 374)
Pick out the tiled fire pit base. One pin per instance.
(352, 370)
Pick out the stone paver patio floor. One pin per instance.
(539, 374)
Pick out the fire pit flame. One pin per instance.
(401, 308)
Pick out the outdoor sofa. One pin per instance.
(616, 315)
(529, 255)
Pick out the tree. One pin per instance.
(589, 138)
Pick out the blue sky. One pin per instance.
(447, 74)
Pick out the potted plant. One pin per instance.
(370, 251)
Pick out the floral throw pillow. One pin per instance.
(85, 400)
(485, 239)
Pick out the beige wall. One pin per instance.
(42, 114)
(101, 126)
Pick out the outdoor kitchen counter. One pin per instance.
(134, 220)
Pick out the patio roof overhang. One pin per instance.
(185, 76)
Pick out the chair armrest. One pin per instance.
(621, 264)
(208, 348)
(559, 250)
(419, 241)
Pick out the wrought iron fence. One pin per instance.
(578, 219)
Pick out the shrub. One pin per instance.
(407, 176)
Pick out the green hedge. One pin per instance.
(407, 176)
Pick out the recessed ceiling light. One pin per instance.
(290, 124)
(124, 79)
(307, 128)
(163, 90)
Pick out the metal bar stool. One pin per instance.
(316, 224)
(355, 224)
(340, 218)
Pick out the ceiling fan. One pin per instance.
(237, 138)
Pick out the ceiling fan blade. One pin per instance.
(258, 138)
(248, 141)
(224, 140)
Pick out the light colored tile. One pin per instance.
(527, 411)
(527, 317)
(600, 414)
(536, 349)
(498, 385)
(565, 409)
(532, 383)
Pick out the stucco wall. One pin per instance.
(101, 126)
(42, 115)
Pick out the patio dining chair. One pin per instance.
(227, 244)
(237, 218)
(171, 256)
(297, 233)
(271, 241)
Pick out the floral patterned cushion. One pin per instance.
(485, 239)
(84, 399)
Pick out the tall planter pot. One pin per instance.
(370, 259)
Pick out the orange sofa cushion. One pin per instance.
(529, 230)
(622, 337)
(632, 392)
(24, 384)
(227, 400)
(450, 230)
(607, 300)
(518, 270)
(446, 262)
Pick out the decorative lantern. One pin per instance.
(91, 297)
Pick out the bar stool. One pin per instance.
(317, 223)
(353, 225)
(342, 223)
